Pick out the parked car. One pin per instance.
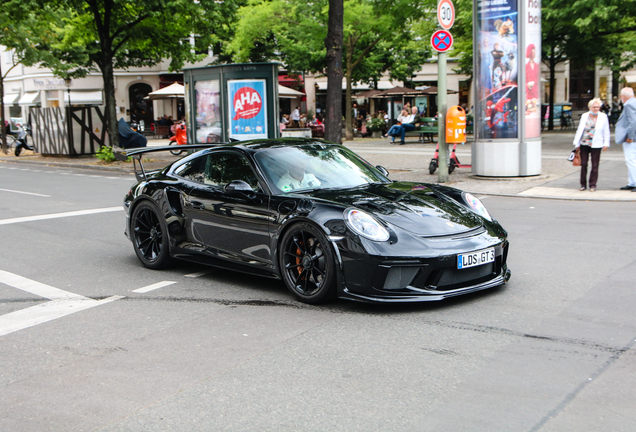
(317, 216)
(562, 115)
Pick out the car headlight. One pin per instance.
(365, 225)
(476, 205)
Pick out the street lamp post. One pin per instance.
(67, 83)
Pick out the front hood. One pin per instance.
(414, 207)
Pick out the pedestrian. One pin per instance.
(295, 118)
(626, 134)
(592, 137)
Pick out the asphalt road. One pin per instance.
(91, 340)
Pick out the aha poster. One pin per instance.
(248, 109)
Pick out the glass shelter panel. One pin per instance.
(208, 111)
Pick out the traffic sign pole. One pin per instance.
(442, 176)
(442, 41)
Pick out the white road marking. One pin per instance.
(62, 303)
(199, 274)
(29, 317)
(36, 288)
(59, 215)
(153, 287)
(25, 193)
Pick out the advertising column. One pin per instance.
(532, 49)
(502, 117)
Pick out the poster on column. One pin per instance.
(533, 68)
(497, 61)
(248, 109)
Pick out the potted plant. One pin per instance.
(376, 126)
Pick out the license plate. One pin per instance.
(475, 258)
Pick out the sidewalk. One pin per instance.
(558, 179)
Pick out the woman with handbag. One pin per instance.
(592, 137)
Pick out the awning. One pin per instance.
(174, 90)
(398, 92)
(630, 78)
(382, 85)
(287, 93)
(10, 98)
(290, 79)
(29, 98)
(85, 97)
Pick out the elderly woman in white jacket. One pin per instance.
(592, 137)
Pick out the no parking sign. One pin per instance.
(442, 41)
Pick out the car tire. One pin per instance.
(149, 233)
(432, 166)
(307, 264)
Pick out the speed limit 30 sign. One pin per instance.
(446, 14)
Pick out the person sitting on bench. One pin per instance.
(409, 124)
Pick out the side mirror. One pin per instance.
(239, 187)
(383, 170)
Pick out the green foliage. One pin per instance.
(106, 154)
(21, 33)
(378, 35)
(376, 124)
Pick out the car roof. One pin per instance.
(255, 146)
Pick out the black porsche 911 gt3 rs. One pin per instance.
(320, 218)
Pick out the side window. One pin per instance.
(218, 169)
(193, 170)
(237, 167)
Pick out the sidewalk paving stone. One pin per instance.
(558, 179)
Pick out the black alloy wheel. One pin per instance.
(150, 236)
(307, 264)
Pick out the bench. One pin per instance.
(427, 131)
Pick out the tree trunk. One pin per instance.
(109, 95)
(553, 64)
(348, 110)
(333, 43)
(3, 133)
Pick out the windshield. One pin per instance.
(291, 169)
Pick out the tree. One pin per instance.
(333, 45)
(21, 31)
(119, 34)
(584, 32)
(377, 36)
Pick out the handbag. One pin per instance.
(576, 160)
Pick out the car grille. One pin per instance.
(454, 278)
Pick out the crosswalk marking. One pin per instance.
(61, 303)
(153, 287)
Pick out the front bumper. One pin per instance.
(417, 279)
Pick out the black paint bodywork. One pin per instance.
(428, 225)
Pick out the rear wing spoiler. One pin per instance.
(137, 154)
